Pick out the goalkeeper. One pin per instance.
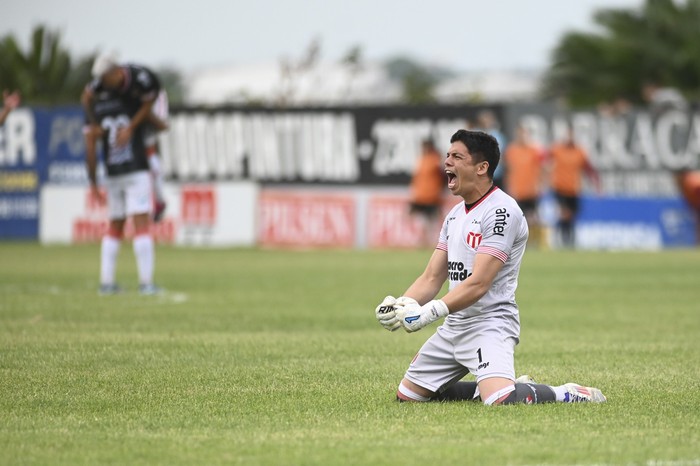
(479, 251)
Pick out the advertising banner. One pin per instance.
(338, 146)
(19, 176)
(634, 223)
(299, 219)
(634, 154)
(37, 146)
(60, 145)
(217, 214)
(391, 225)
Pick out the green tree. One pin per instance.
(45, 74)
(658, 42)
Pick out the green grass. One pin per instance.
(267, 357)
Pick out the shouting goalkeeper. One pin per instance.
(480, 249)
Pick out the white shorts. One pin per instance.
(449, 355)
(129, 194)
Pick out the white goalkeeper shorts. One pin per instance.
(129, 194)
(483, 350)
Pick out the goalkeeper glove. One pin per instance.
(414, 317)
(386, 314)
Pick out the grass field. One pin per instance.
(264, 357)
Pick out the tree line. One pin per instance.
(656, 43)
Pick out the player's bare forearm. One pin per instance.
(91, 155)
(159, 124)
(86, 99)
(430, 282)
(423, 289)
(142, 114)
(124, 134)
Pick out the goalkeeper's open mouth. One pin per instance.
(451, 179)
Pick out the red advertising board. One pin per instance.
(302, 220)
(198, 205)
(91, 227)
(390, 225)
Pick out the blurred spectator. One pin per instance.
(10, 102)
(568, 163)
(487, 122)
(427, 186)
(662, 99)
(689, 185)
(524, 176)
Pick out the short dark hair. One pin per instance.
(481, 146)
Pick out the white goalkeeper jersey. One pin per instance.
(495, 225)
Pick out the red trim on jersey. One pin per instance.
(493, 189)
(497, 253)
(441, 246)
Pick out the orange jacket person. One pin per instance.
(523, 162)
(427, 186)
(568, 163)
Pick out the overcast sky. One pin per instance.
(460, 34)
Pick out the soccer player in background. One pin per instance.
(427, 186)
(138, 86)
(479, 252)
(10, 101)
(524, 178)
(569, 162)
(128, 187)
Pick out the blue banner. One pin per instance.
(37, 146)
(20, 179)
(624, 223)
(634, 223)
(61, 146)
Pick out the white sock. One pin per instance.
(108, 259)
(144, 251)
(408, 393)
(157, 173)
(560, 392)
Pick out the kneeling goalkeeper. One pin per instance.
(480, 249)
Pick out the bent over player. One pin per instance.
(479, 252)
(140, 89)
(128, 187)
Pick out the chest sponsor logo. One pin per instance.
(457, 271)
(474, 239)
